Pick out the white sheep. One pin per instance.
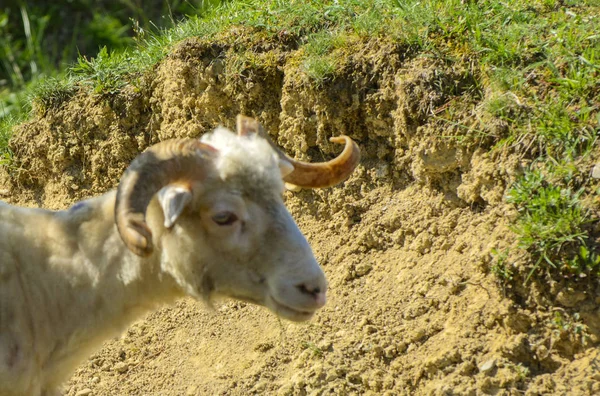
(190, 217)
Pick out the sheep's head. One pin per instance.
(225, 228)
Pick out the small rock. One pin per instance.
(325, 345)
(382, 171)
(121, 367)
(378, 350)
(417, 335)
(264, 346)
(570, 298)
(401, 347)
(260, 387)
(292, 187)
(216, 68)
(95, 380)
(390, 352)
(487, 366)
(84, 392)
(542, 352)
(363, 269)
(365, 321)
(332, 375)
(191, 390)
(596, 171)
(467, 368)
(370, 329)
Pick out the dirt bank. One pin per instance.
(406, 242)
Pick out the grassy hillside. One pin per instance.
(40, 39)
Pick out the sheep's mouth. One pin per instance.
(281, 309)
(287, 312)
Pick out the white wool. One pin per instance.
(235, 152)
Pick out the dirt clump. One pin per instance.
(407, 242)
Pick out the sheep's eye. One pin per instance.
(225, 218)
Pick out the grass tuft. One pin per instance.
(51, 93)
(552, 224)
(106, 72)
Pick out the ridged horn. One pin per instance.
(305, 174)
(171, 161)
(325, 174)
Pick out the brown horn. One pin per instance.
(247, 125)
(325, 174)
(305, 174)
(176, 160)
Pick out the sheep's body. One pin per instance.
(68, 281)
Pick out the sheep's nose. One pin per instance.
(316, 291)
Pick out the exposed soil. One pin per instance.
(406, 242)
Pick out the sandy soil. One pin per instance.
(406, 242)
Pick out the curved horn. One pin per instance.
(305, 174)
(247, 125)
(325, 174)
(176, 160)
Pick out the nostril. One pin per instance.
(316, 293)
(313, 291)
(303, 289)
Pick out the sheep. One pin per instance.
(190, 217)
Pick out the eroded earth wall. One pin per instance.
(406, 242)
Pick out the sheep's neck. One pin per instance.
(90, 288)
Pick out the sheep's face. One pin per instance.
(231, 235)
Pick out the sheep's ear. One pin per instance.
(173, 200)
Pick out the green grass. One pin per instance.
(319, 62)
(51, 92)
(552, 223)
(108, 72)
(535, 67)
(315, 350)
(36, 45)
(571, 327)
(501, 267)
